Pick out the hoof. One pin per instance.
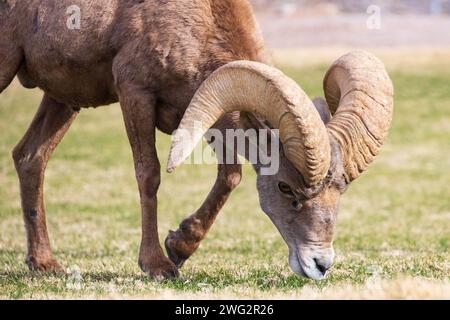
(179, 262)
(178, 249)
(160, 269)
(44, 265)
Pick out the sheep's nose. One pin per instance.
(322, 267)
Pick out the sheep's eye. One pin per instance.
(284, 188)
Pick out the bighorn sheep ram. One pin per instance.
(170, 63)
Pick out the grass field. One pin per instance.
(393, 233)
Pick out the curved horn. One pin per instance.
(360, 95)
(266, 91)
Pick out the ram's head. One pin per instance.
(325, 146)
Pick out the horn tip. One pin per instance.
(170, 163)
(171, 166)
(176, 157)
(170, 169)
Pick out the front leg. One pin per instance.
(138, 107)
(181, 244)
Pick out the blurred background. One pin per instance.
(294, 23)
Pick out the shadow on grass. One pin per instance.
(192, 279)
(263, 280)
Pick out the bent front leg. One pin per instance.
(181, 244)
(31, 156)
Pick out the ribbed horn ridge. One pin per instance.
(266, 91)
(359, 93)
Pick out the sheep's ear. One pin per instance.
(323, 109)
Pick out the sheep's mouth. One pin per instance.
(304, 269)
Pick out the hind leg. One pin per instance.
(30, 157)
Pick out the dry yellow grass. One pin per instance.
(406, 288)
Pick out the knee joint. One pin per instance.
(231, 178)
(25, 163)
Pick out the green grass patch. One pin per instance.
(394, 221)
